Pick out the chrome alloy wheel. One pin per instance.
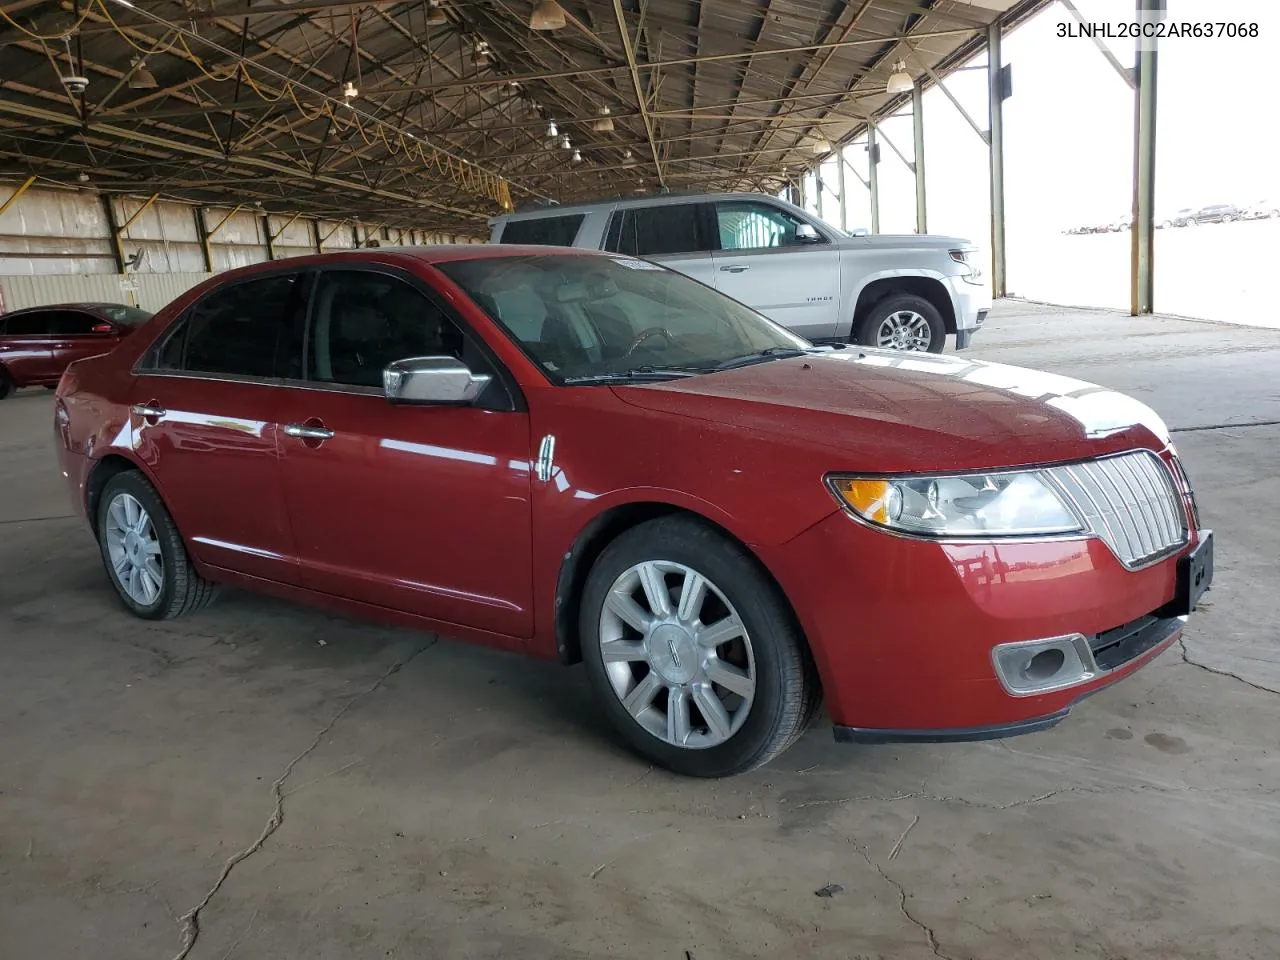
(677, 654)
(904, 330)
(134, 549)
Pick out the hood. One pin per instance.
(905, 241)
(884, 411)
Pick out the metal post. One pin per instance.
(1142, 276)
(315, 236)
(117, 241)
(844, 206)
(202, 231)
(270, 240)
(995, 107)
(917, 136)
(873, 178)
(17, 193)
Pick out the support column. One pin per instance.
(873, 179)
(917, 137)
(844, 204)
(315, 236)
(117, 241)
(1142, 266)
(202, 231)
(995, 107)
(268, 239)
(817, 188)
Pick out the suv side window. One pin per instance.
(657, 231)
(745, 225)
(363, 320)
(544, 231)
(235, 330)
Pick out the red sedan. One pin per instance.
(591, 458)
(37, 344)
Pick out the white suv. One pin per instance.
(898, 292)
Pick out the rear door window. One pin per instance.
(544, 231)
(238, 330)
(26, 324)
(73, 323)
(663, 230)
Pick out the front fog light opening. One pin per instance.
(1040, 666)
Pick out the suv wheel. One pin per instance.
(143, 552)
(692, 652)
(904, 322)
(6, 383)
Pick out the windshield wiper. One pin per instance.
(761, 356)
(643, 374)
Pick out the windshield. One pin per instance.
(125, 316)
(583, 318)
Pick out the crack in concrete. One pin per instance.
(190, 921)
(944, 798)
(1186, 658)
(1225, 426)
(902, 905)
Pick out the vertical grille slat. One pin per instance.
(1130, 501)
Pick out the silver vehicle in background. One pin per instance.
(905, 292)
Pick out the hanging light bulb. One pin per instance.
(628, 159)
(821, 146)
(547, 15)
(349, 91)
(899, 81)
(605, 123)
(552, 130)
(435, 16)
(564, 141)
(577, 156)
(140, 78)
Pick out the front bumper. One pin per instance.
(971, 303)
(903, 630)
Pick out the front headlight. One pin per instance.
(972, 505)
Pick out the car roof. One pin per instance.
(647, 200)
(89, 307)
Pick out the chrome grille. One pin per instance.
(1128, 501)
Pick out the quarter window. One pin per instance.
(70, 323)
(236, 330)
(745, 225)
(658, 231)
(543, 231)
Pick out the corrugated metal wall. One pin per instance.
(56, 247)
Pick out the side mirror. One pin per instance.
(103, 327)
(807, 233)
(432, 380)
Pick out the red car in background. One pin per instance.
(37, 344)
(585, 456)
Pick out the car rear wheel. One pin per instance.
(1227, 218)
(693, 654)
(6, 383)
(144, 554)
(904, 322)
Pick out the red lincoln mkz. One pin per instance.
(588, 457)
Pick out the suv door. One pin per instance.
(676, 235)
(762, 263)
(78, 335)
(26, 352)
(204, 418)
(423, 509)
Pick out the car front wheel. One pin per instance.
(143, 551)
(904, 322)
(6, 383)
(692, 652)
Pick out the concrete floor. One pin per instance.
(443, 801)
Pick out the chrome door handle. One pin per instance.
(735, 269)
(150, 411)
(306, 432)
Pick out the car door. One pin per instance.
(25, 348)
(204, 419)
(78, 335)
(422, 509)
(676, 235)
(764, 263)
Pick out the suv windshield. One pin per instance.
(125, 316)
(604, 319)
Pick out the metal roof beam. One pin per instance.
(639, 88)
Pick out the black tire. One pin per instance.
(869, 328)
(51, 386)
(182, 590)
(6, 384)
(1227, 218)
(787, 692)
